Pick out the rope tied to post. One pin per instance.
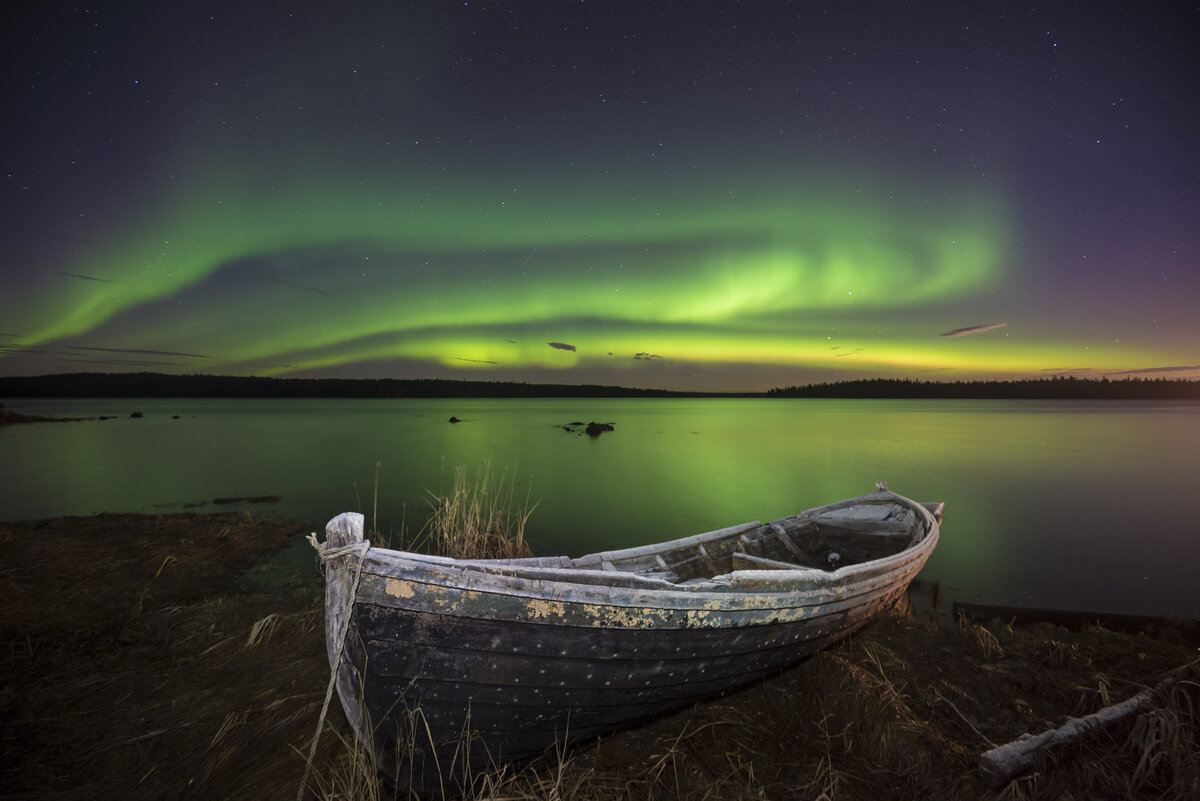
(327, 555)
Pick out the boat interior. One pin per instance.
(826, 541)
(823, 539)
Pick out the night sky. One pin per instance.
(691, 195)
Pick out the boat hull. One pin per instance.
(448, 670)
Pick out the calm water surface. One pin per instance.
(1066, 504)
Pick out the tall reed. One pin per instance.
(479, 518)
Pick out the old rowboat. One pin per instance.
(448, 666)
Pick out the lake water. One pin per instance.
(1080, 505)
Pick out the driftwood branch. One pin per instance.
(964, 718)
(999, 765)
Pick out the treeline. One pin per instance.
(1056, 388)
(160, 385)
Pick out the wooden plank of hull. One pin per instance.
(605, 677)
(539, 726)
(377, 624)
(589, 615)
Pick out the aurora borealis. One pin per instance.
(695, 196)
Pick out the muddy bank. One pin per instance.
(9, 417)
(177, 656)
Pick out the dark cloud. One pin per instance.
(646, 356)
(139, 350)
(271, 366)
(1181, 368)
(87, 277)
(561, 345)
(122, 362)
(973, 329)
(271, 279)
(1069, 370)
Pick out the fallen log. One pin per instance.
(1000, 765)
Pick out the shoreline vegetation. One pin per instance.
(161, 385)
(183, 656)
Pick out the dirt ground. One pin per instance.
(182, 656)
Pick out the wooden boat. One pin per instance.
(451, 666)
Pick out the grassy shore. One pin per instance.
(177, 657)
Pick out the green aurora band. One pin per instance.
(790, 274)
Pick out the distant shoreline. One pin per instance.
(161, 385)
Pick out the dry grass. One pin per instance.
(144, 662)
(479, 518)
(352, 774)
(984, 644)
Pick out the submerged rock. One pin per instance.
(593, 428)
(255, 499)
